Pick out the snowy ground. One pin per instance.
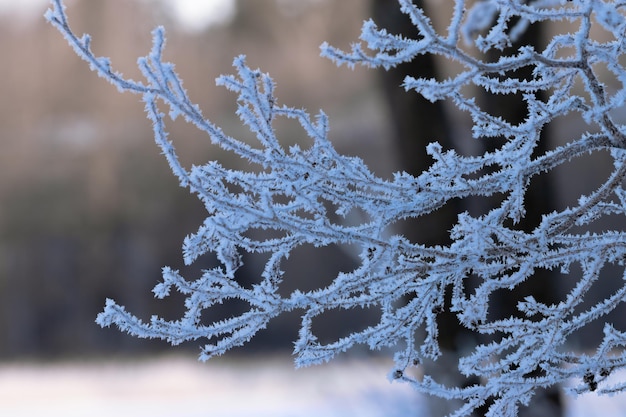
(182, 387)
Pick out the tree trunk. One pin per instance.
(417, 122)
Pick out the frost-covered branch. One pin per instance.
(298, 193)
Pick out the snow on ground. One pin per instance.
(183, 387)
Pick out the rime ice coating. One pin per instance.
(288, 190)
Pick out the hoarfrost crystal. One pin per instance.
(288, 190)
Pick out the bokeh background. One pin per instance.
(89, 208)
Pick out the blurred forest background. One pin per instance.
(89, 208)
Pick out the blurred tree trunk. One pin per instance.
(417, 122)
(539, 200)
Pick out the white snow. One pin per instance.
(184, 387)
(228, 387)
